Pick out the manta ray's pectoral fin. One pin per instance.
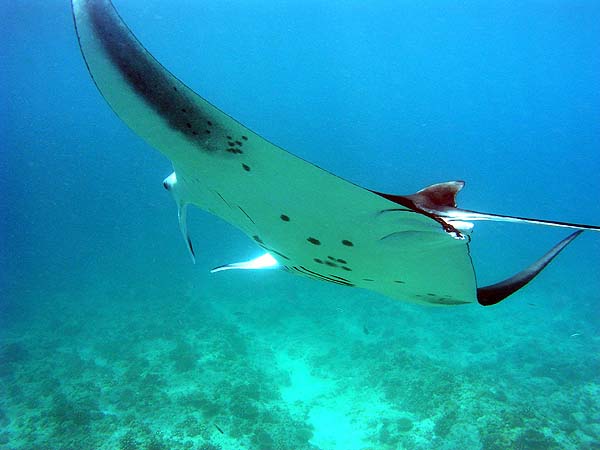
(265, 261)
(170, 184)
(495, 293)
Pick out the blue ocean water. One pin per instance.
(111, 339)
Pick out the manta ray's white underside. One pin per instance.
(310, 222)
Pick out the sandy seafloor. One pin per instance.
(292, 365)
(111, 339)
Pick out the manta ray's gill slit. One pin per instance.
(320, 276)
(222, 198)
(278, 253)
(272, 250)
(147, 78)
(246, 214)
(340, 278)
(262, 244)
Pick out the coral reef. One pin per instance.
(218, 375)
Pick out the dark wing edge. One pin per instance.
(495, 293)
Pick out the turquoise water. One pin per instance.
(111, 339)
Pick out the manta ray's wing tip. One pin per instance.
(495, 293)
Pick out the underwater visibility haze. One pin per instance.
(111, 339)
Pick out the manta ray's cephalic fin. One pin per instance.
(265, 261)
(170, 184)
(495, 293)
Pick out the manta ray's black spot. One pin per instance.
(342, 261)
(447, 301)
(347, 269)
(245, 138)
(331, 264)
(189, 125)
(257, 239)
(331, 258)
(238, 151)
(399, 281)
(246, 167)
(183, 110)
(231, 144)
(347, 243)
(238, 143)
(431, 295)
(209, 123)
(314, 241)
(207, 131)
(175, 88)
(368, 279)
(229, 138)
(317, 260)
(284, 218)
(195, 133)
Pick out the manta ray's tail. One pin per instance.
(495, 293)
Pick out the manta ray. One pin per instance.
(308, 221)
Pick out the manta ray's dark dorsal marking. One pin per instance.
(412, 247)
(144, 75)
